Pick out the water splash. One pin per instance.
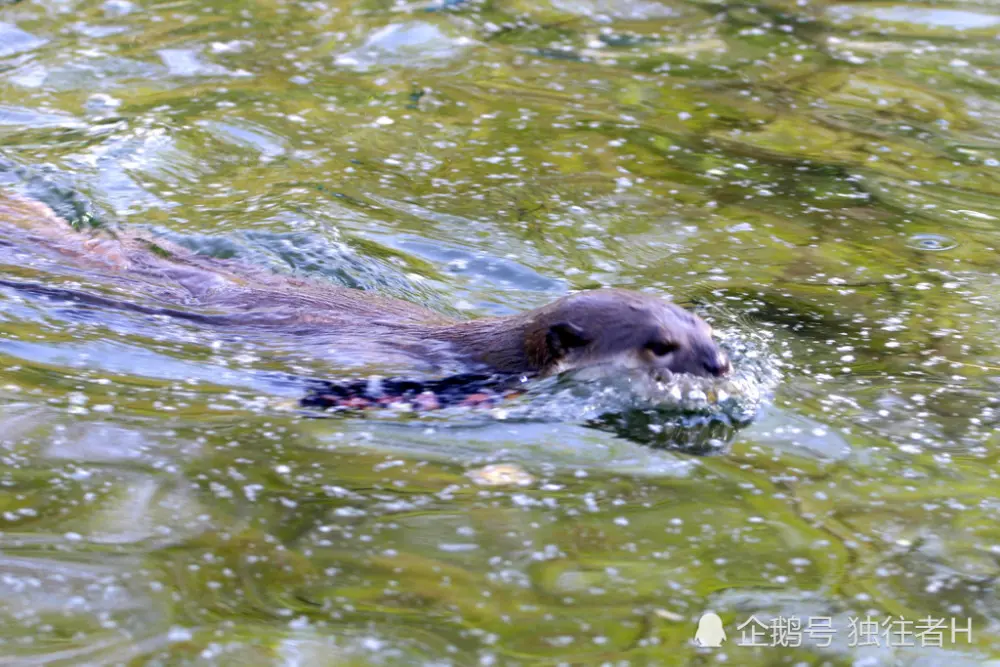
(682, 411)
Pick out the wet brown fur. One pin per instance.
(597, 327)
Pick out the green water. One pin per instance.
(821, 176)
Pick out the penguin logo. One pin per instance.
(710, 633)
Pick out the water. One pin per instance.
(820, 179)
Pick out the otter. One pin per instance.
(612, 328)
(606, 329)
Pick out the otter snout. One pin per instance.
(715, 362)
(704, 359)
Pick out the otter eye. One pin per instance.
(661, 348)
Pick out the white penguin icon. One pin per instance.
(710, 633)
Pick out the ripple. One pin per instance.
(931, 242)
(246, 135)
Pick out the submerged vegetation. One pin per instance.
(821, 179)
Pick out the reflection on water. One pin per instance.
(957, 19)
(404, 44)
(821, 179)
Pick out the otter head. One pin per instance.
(620, 329)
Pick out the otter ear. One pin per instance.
(564, 336)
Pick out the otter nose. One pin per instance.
(716, 363)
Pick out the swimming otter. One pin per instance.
(610, 329)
